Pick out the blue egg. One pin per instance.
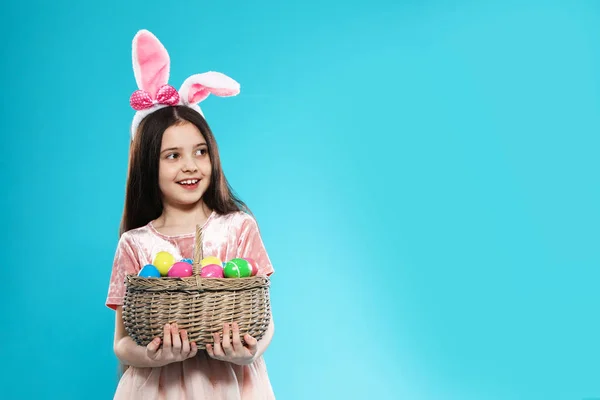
(187, 260)
(149, 271)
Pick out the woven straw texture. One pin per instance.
(199, 305)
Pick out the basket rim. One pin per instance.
(195, 283)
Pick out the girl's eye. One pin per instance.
(172, 156)
(201, 152)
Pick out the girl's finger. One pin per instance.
(237, 342)
(152, 348)
(185, 344)
(167, 338)
(227, 349)
(176, 339)
(217, 348)
(251, 343)
(209, 350)
(193, 350)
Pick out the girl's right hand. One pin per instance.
(176, 346)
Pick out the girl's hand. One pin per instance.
(232, 350)
(176, 347)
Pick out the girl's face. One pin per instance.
(184, 168)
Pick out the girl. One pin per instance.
(175, 182)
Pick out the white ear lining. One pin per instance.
(137, 72)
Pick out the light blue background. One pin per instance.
(425, 175)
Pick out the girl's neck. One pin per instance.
(174, 220)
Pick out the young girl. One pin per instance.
(175, 182)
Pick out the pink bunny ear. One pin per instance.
(150, 62)
(198, 87)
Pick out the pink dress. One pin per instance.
(202, 377)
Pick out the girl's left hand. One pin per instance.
(232, 350)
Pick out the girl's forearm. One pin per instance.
(265, 341)
(130, 353)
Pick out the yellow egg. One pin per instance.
(210, 260)
(163, 261)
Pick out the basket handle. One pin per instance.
(198, 256)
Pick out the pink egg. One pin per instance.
(180, 269)
(212, 271)
(253, 265)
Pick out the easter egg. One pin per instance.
(211, 271)
(163, 261)
(187, 260)
(149, 271)
(237, 268)
(180, 270)
(253, 265)
(210, 260)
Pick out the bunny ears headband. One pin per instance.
(151, 65)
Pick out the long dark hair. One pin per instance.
(143, 202)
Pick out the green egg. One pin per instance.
(237, 268)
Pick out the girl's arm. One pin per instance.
(126, 350)
(263, 343)
(175, 347)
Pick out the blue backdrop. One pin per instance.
(424, 173)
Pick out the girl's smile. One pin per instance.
(190, 184)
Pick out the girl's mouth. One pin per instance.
(189, 184)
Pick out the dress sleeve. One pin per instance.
(125, 263)
(250, 245)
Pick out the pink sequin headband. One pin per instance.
(151, 66)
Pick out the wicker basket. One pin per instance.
(199, 305)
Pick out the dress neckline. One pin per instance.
(182, 235)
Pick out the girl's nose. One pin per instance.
(189, 165)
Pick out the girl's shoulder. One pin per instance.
(145, 229)
(139, 235)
